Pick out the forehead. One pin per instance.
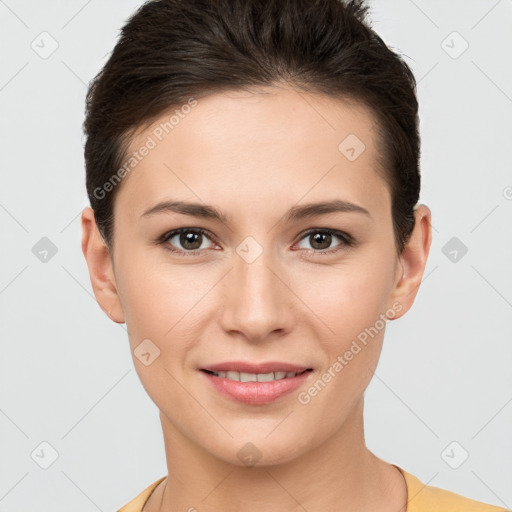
(258, 146)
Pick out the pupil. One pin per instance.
(190, 238)
(321, 237)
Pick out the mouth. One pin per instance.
(256, 384)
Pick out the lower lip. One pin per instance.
(256, 393)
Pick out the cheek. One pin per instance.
(349, 298)
(158, 299)
(155, 307)
(352, 302)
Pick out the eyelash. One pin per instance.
(347, 240)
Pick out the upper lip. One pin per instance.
(267, 367)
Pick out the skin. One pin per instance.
(254, 156)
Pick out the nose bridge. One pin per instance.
(257, 302)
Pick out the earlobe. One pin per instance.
(100, 267)
(413, 260)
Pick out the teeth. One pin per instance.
(266, 377)
(248, 377)
(255, 377)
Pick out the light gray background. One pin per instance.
(66, 374)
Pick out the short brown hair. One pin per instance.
(171, 50)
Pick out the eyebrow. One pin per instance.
(295, 213)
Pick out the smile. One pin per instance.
(255, 388)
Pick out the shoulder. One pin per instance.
(138, 502)
(426, 498)
(421, 498)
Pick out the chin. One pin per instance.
(260, 451)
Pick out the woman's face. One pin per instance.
(265, 282)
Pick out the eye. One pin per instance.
(191, 240)
(321, 239)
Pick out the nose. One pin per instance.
(258, 302)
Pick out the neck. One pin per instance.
(340, 474)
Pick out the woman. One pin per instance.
(253, 172)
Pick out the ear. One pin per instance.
(412, 261)
(101, 270)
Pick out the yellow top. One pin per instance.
(420, 498)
